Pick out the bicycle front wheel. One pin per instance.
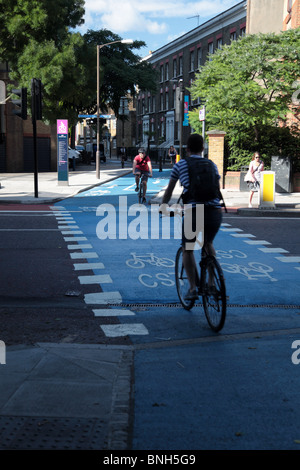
(213, 293)
(182, 283)
(140, 195)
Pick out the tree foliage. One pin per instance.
(248, 87)
(37, 42)
(121, 71)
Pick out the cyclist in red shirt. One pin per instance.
(142, 166)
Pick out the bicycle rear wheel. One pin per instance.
(213, 293)
(182, 283)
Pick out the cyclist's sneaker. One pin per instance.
(144, 200)
(136, 189)
(191, 295)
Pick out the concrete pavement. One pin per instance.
(76, 396)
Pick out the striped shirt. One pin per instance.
(180, 172)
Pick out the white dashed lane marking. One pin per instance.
(103, 298)
(257, 242)
(87, 266)
(283, 259)
(79, 247)
(96, 279)
(88, 255)
(124, 329)
(112, 312)
(289, 259)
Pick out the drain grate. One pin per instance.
(178, 305)
(25, 433)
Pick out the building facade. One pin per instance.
(159, 115)
(16, 137)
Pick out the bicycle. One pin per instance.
(142, 178)
(210, 285)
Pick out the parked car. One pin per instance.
(73, 153)
(79, 148)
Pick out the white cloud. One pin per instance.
(122, 16)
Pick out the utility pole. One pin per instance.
(36, 109)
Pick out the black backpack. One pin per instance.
(204, 181)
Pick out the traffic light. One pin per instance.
(36, 102)
(21, 103)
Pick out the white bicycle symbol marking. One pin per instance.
(253, 271)
(230, 254)
(138, 261)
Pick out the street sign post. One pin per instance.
(93, 116)
(62, 153)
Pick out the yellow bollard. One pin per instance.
(267, 190)
(177, 158)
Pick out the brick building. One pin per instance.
(292, 15)
(16, 137)
(281, 14)
(177, 63)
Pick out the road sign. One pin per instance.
(202, 114)
(93, 116)
(62, 152)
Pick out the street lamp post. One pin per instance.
(123, 41)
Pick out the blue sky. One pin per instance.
(156, 22)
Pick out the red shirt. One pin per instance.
(143, 166)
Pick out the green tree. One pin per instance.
(25, 20)
(38, 43)
(121, 70)
(248, 87)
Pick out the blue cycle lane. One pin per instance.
(196, 395)
(137, 250)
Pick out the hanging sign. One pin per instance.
(186, 111)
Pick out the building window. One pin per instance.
(180, 65)
(161, 101)
(199, 57)
(219, 43)
(149, 104)
(233, 36)
(192, 61)
(161, 73)
(153, 104)
(167, 71)
(175, 68)
(211, 47)
(152, 130)
(167, 101)
(243, 32)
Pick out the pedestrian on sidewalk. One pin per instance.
(253, 175)
(172, 155)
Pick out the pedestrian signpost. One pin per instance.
(62, 153)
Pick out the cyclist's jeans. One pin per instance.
(212, 223)
(143, 174)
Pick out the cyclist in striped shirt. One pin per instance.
(212, 213)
